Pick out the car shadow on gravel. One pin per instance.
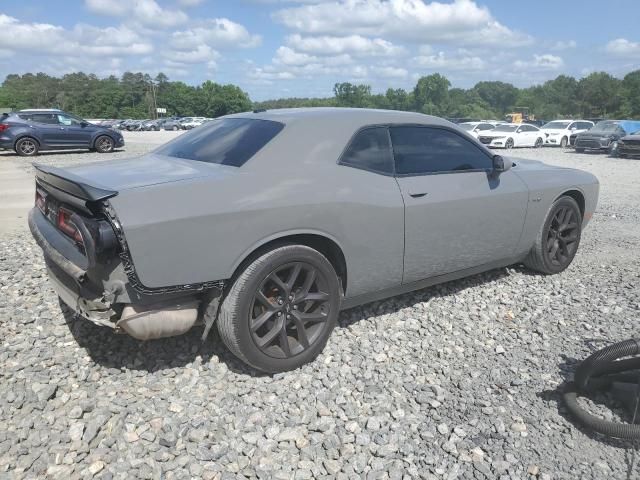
(394, 304)
(120, 351)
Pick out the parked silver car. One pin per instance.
(269, 223)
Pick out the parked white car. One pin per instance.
(510, 135)
(475, 128)
(192, 122)
(559, 132)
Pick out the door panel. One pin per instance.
(458, 213)
(462, 220)
(73, 133)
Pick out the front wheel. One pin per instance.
(538, 143)
(104, 144)
(281, 309)
(509, 144)
(26, 147)
(563, 142)
(558, 239)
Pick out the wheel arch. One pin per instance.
(578, 196)
(27, 135)
(320, 241)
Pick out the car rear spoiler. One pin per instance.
(71, 184)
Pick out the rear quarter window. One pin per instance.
(228, 141)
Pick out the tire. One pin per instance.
(564, 142)
(539, 143)
(508, 144)
(613, 149)
(174, 128)
(27, 147)
(579, 150)
(552, 252)
(103, 144)
(259, 317)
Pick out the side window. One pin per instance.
(370, 150)
(421, 150)
(45, 118)
(26, 116)
(65, 120)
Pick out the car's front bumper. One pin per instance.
(593, 143)
(629, 148)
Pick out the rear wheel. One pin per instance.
(281, 309)
(558, 239)
(174, 128)
(104, 144)
(27, 147)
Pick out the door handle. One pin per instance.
(417, 195)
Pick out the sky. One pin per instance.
(301, 48)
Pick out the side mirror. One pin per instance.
(84, 124)
(501, 164)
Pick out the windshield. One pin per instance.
(505, 128)
(606, 126)
(467, 126)
(556, 125)
(229, 141)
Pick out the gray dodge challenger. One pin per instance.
(268, 223)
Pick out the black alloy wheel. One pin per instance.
(281, 308)
(563, 236)
(538, 143)
(290, 310)
(558, 239)
(509, 144)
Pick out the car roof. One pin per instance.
(316, 117)
(34, 110)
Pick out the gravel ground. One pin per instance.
(455, 381)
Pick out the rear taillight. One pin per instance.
(3, 127)
(66, 226)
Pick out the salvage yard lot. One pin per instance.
(453, 381)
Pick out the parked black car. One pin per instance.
(629, 145)
(605, 135)
(29, 131)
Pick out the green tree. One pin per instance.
(431, 94)
(499, 96)
(600, 94)
(350, 95)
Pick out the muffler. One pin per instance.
(148, 322)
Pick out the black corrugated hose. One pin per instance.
(599, 372)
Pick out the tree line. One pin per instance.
(136, 95)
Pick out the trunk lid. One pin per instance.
(99, 181)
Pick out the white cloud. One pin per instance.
(564, 45)
(444, 62)
(391, 72)
(200, 54)
(623, 48)
(190, 3)
(460, 22)
(544, 62)
(147, 12)
(44, 38)
(353, 44)
(216, 32)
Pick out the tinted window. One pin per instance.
(45, 118)
(429, 150)
(485, 126)
(229, 141)
(370, 150)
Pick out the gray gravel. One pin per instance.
(455, 381)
